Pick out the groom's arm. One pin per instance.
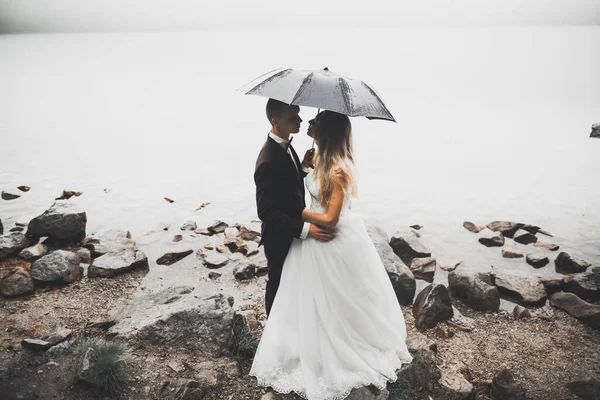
(266, 203)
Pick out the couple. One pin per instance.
(334, 322)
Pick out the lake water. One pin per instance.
(493, 124)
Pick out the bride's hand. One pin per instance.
(307, 162)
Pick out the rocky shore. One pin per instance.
(190, 317)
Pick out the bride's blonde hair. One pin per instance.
(334, 158)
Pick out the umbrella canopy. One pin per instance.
(321, 89)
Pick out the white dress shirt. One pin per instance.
(286, 146)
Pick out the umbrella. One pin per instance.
(321, 89)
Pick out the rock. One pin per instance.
(212, 259)
(217, 227)
(252, 249)
(425, 371)
(417, 341)
(85, 255)
(588, 313)
(431, 306)
(407, 246)
(552, 285)
(9, 196)
(520, 312)
(368, 393)
(84, 367)
(59, 334)
(587, 389)
(235, 257)
(507, 228)
(204, 232)
(401, 277)
(453, 383)
(115, 263)
(491, 239)
(471, 227)
(202, 206)
(247, 233)
(109, 241)
(64, 223)
(448, 264)
(223, 249)
(524, 237)
(461, 322)
(416, 226)
(60, 266)
(511, 253)
(1, 228)
(17, 229)
(12, 243)
(519, 286)
(243, 249)
(209, 246)
(194, 318)
(423, 268)
(214, 275)
(585, 285)
(177, 238)
(67, 194)
(173, 257)
(189, 226)
(547, 246)
(504, 387)
(595, 131)
(476, 289)
(244, 270)
(34, 252)
(35, 344)
(16, 283)
(169, 200)
(233, 243)
(537, 260)
(565, 264)
(24, 188)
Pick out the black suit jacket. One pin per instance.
(279, 195)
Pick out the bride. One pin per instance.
(335, 323)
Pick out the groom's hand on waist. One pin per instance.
(322, 234)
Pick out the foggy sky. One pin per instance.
(22, 16)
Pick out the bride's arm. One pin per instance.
(332, 217)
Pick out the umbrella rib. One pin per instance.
(374, 93)
(302, 87)
(280, 74)
(346, 91)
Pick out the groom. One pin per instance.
(279, 178)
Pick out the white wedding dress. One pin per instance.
(335, 323)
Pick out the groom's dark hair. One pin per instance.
(275, 108)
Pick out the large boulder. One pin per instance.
(12, 243)
(63, 223)
(407, 246)
(17, 283)
(565, 264)
(505, 387)
(183, 317)
(60, 266)
(588, 313)
(115, 263)
(519, 286)
(423, 268)
(403, 280)
(34, 252)
(475, 289)
(431, 306)
(490, 238)
(585, 285)
(108, 241)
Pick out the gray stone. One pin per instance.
(85, 255)
(519, 286)
(490, 238)
(588, 313)
(9, 196)
(34, 252)
(217, 227)
(585, 285)
(214, 275)
(85, 367)
(177, 317)
(16, 283)
(212, 259)
(471, 227)
(60, 266)
(423, 268)
(173, 257)
(453, 383)
(244, 270)
(407, 246)
(520, 312)
(553, 285)
(59, 334)
(524, 237)
(63, 223)
(546, 246)
(586, 389)
(417, 341)
(115, 263)
(448, 264)
(431, 306)
(233, 243)
(475, 289)
(504, 387)
(248, 233)
(537, 260)
(12, 243)
(401, 277)
(565, 264)
(108, 241)
(35, 344)
(368, 393)
(189, 226)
